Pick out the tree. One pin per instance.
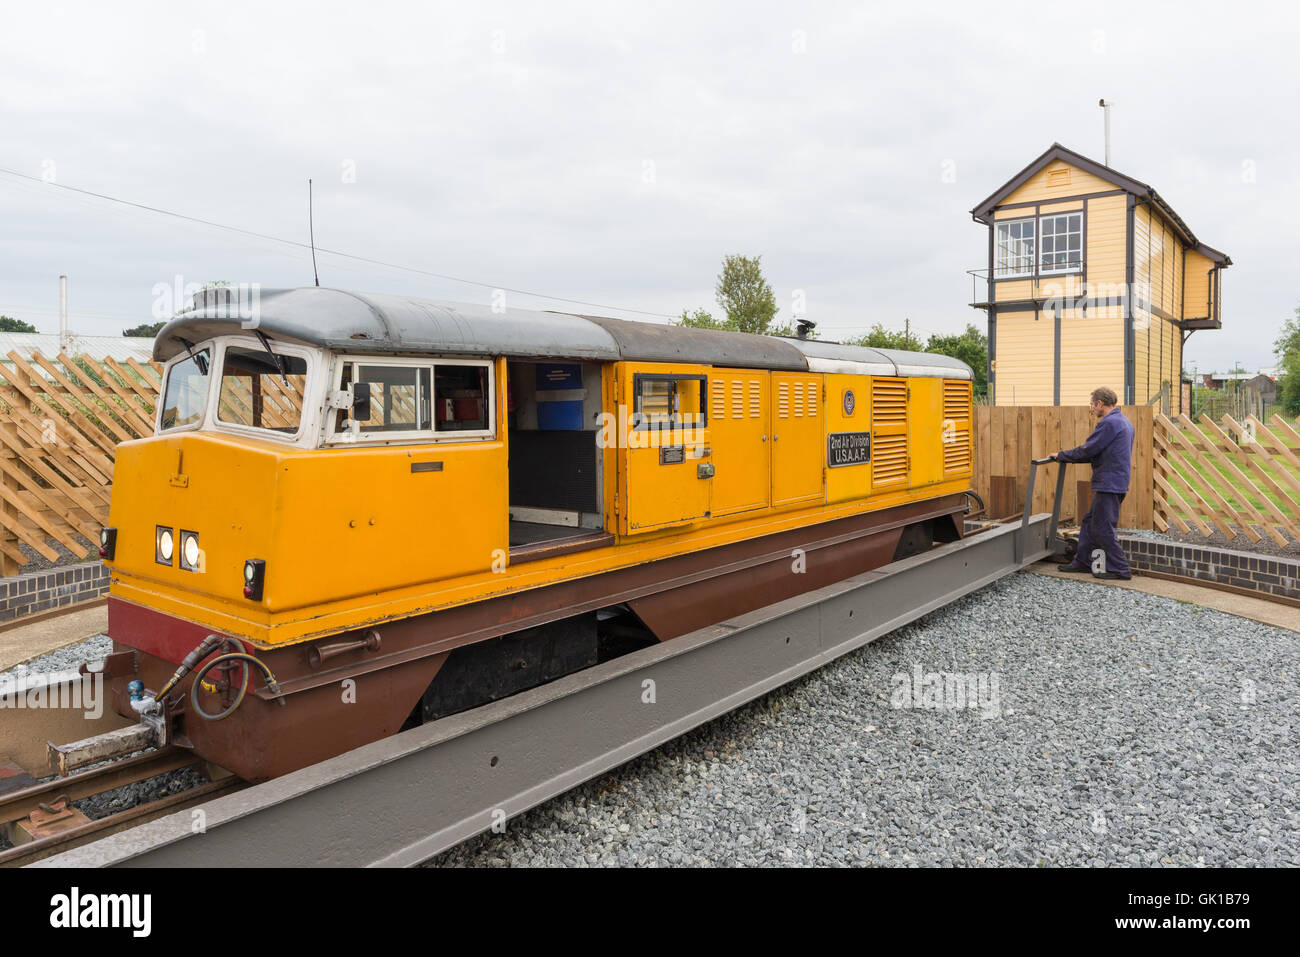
(1288, 384)
(146, 331)
(8, 324)
(744, 295)
(972, 348)
(1289, 339)
(700, 319)
(1287, 348)
(881, 338)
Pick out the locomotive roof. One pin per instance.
(380, 323)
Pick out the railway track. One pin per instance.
(402, 800)
(41, 820)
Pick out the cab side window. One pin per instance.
(461, 398)
(419, 400)
(399, 398)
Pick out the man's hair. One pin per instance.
(1105, 396)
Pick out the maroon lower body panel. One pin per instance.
(263, 739)
(350, 689)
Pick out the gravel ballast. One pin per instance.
(67, 658)
(1105, 727)
(38, 562)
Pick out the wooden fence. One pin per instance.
(1007, 437)
(60, 422)
(1227, 476)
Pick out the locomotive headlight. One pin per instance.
(107, 543)
(166, 545)
(254, 578)
(190, 551)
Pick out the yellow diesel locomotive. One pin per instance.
(365, 511)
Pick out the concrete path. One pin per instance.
(1243, 606)
(27, 641)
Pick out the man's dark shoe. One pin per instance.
(1071, 567)
(1112, 576)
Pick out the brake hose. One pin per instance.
(271, 684)
(208, 645)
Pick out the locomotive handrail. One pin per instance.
(1022, 537)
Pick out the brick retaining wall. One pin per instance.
(1270, 574)
(51, 588)
(1266, 574)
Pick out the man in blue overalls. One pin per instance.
(1110, 450)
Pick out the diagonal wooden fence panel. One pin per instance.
(60, 422)
(1235, 476)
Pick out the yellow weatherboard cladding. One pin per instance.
(353, 536)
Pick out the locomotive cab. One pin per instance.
(338, 475)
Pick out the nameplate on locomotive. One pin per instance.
(848, 448)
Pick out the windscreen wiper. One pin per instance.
(200, 360)
(279, 359)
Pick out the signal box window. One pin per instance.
(1062, 242)
(669, 402)
(261, 390)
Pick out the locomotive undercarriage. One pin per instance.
(347, 690)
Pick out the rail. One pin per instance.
(56, 796)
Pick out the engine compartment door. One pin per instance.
(665, 460)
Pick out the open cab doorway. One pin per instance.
(557, 465)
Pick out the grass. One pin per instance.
(1210, 474)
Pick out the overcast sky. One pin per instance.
(615, 152)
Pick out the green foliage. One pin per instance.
(146, 331)
(700, 319)
(9, 324)
(1288, 385)
(972, 348)
(881, 338)
(1289, 339)
(1287, 348)
(744, 295)
(85, 372)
